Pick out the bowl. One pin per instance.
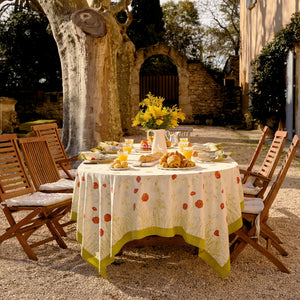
(203, 155)
(90, 155)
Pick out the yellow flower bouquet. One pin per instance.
(153, 115)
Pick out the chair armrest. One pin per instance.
(259, 176)
(255, 175)
(61, 163)
(242, 171)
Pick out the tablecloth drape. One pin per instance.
(203, 205)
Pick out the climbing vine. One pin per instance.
(268, 84)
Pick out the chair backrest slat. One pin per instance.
(14, 180)
(184, 132)
(39, 160)
(50, 132)
(269, 199)
(273, 155)
(258, 148)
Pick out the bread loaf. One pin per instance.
(151, 157)
(175, 160)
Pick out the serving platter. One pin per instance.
(119, 169)
(142, 151)
(109, 152)
(176, 169)
(104, 160)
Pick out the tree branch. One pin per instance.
(128, 21)
(30, 4)
(121, 5)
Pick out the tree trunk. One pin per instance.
(94, 72)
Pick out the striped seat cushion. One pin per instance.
(38, 199)
(62, 184)
(253, 205)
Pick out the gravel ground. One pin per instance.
(165, 272)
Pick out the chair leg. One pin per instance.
(56, 235)
(55, 216)
(28, 250)
(24, 228)
(58, 214)
(238, 245)
(264, 251)
(236, 248)
(16, 226)
(270, 232)
(15, 230)
(271, 242)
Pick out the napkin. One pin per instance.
(145, 164)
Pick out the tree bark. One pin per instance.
(95, 70)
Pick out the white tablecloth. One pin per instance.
(203, 205)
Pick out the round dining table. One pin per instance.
(202, 204)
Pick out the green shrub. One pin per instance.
(268, 85)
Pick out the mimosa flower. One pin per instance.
(153, 115)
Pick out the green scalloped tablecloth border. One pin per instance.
(222, 271)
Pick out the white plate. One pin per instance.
(104, 160)
(119, 169)
(212, 160)
(101, 161)
(176, 169)
(140, 151)
(220, 159)
(109, 152)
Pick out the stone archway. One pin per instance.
(180, 61)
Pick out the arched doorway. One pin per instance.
(183, 77)
(159, 76)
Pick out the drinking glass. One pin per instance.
(184, 140)
(182, 145)
(127, 147)
(130, 141)
(187, 152)
(122, 155)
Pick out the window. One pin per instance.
(251, 3)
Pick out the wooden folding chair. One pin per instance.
(256, 183)
(184, 132)
(26, 210)
(42, 168)
(50, 132)
(255, 215)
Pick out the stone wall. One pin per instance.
(8, 116)
(204, 92)
(212, 103)
(201, 97)
(34, 105)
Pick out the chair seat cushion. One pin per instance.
(253, 205)
(73, 173)
(250, 189)
(38, 199)
(61, 184)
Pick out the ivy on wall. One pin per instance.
(268, 84)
